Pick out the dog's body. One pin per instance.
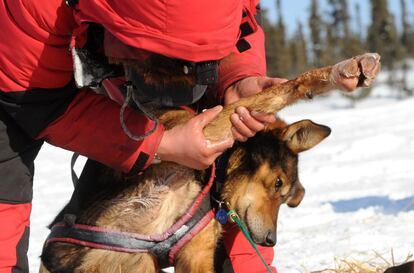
(260, 175)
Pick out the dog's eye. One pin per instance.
(279, 184)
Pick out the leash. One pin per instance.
(75, 178)
(223, 212)
(131, 96)
(232, 214)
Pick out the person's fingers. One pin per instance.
(237, 136)
(220, 146)
(239, 125)
(251, 123)
(263, 117)
(208, 115)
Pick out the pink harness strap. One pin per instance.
(165, 246)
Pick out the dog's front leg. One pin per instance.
(197, 256)
(359, 71)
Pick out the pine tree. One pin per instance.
(334, 33)
(358, 21)
(277, 50)
(407, 36)
(407, 44)
(315, 24)
(345, 18)
(298, 52)
(332, 47)
(270, 45)
(283, 52)
(345, 43)
(351, 42)
(382, 34)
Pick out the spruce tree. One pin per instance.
(283, 51)
(351, 42)
(407, 48)
(332, 47)
(345, 42)
(358, 18)
(298, 52)
(270, 45)
(315, 24)
(334, 33)
(344, 15)
(382, 33)
(407, 36)
(277, 55)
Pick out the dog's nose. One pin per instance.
(271, 238)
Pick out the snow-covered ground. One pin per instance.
(359, 186)
(359, 189)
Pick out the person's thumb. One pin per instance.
(221, 145)
(209, 115)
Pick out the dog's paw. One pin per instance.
(359, 71)
(370, 65)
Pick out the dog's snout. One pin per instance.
(271, 238)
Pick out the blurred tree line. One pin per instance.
(328, 38)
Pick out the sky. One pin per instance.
(297, 10)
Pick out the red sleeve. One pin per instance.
(242, 255)
(91, 127)
(35, 53)
(237, 66)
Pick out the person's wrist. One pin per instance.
(231, 94)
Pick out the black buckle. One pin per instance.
(71, 3)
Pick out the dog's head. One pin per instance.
(262, 174)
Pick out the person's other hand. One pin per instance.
(186, 145)
(247, 123)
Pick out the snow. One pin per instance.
(359, 186)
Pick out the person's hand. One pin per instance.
(186, 145)
(247, 123)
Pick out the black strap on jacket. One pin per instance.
(248, 26)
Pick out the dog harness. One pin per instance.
(163, 246)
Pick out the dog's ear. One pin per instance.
(298, 192)
(303, 135)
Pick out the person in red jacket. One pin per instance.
(44, 94)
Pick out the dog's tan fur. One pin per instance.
(152, 202)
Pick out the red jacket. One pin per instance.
(36, 55)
